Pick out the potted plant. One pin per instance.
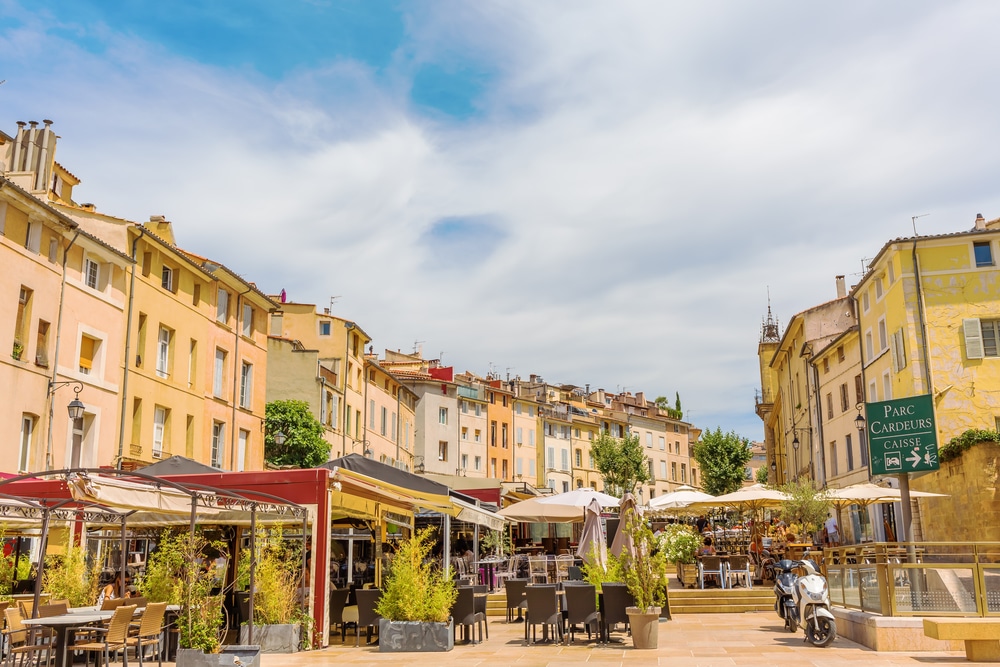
(416, 601)
(68, 577)
(277, 612)
(497, 543)
(645, 571)
(679, 545)
(17, 351)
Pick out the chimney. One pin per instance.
(980, 221)
(88, 206)
(326, 311)
(841, 287)
(640, 397)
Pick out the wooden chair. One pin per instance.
(20, 640)
(543, 609)
(149, 631)
(581, 607)
(111, 639)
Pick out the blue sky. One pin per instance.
(594, 192)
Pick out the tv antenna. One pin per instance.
(913, 221)
(332, 299)
(417, 344)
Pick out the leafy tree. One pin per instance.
(805, 507)
(304, 446)
(622, 463)
(762, 475)
(664, 404)
(722, 458)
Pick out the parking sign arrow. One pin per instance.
(914, 458)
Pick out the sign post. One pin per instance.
(902, 438)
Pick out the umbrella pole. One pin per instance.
(253, 569)
(122, 547)
(42, 547)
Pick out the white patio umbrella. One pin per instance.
(750, 498)
(866, 493)
(579, 498)
(533, 510)
(593, 543)
(680, 499)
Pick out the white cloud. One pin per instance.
(655, 167)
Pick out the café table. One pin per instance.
(63, 625)
(488, 567)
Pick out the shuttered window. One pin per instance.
(88, 349)
(974, 339)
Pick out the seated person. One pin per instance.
(706, 549)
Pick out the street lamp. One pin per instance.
(279, 438)
(860, 422)
(76, 408)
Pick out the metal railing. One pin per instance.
(916, 578)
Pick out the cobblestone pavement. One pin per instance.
(687, 641)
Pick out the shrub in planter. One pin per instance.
(416, 600)
(69, 577)
(277, 614)
(679, 543)
(161, 582)
(646, 578)
(200, 621)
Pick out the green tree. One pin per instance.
(304, 446)
(762, 475)
(663, 403)
(722, 458)
(806, 506)
(621, 462)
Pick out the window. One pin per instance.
(465, 433)
(371, 414)
(42, 344)
(90, 273)
(883, 336)
(826, 364)
(503, 435)
(220, 371)
(465, 461)
(442, 450)
(879, 287)
(33, 237)
(493, 434)
(897, 350)
(3, 217)
(196, 295)
(564, 459)
(869, 346)
(850, 452)
(218, 443)
(519, 435)
(324, 328)
(247, 320)
(479, 410)
(333, 401)
(88, 353)
(241, 451)
(478, 461)
(167, 278)
(384, 421)
(222, 306)
(886, 386)
(683, 472)
(27, 435)
(892, 273)
(829, 406)
(192, 362)
(163, 352)
(663, 469)
(983, 253)
(503, 469)
(517, 408)
(519, 466)
(464, 407)
(478, 435)
(21, 323)
(872, 392)
(833, 458)
(865, 301)
(662, 441)
(531, 467)
(159, 425)
(578, 455)
(531, 437)
(493, 467)
(443, 416)
(859, 389)
(550, 457)
(246, 385)
(673, 471)
(863, 447)
(844, 400)
(649, 439)
(840, 354)
(981, 338)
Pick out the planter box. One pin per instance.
(415, 636)
(274, 638)
(248, 656)
(687, 574)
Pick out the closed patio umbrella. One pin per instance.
(627, 512)
(593, 546)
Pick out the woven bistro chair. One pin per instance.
(110, 640)
(367, 616)
(149, 630)
(20, 640)
(543, 609)
(581, 607)
(711, 566)
(739, 568)
(515, 598)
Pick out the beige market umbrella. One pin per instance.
(866, 493)
(593, 546)
(533, 511)
(680, 499)
(580, 498)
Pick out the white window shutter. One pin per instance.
(973, 338)
(892, 353)
(900, 349)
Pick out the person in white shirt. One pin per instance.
(832, 531)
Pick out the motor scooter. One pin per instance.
(804, 601)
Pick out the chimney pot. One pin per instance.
(157, 218)
(841, 287)
(980, 221)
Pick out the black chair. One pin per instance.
(466, 615)
(515, 598)
(481, 595)
(338, 600)
(367, 616)
(616, 600)
(581, 607)
(575, 573)
(543, 609)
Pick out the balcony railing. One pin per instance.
(916, 579)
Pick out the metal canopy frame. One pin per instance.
(209, 497)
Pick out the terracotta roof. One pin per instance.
(56, 162)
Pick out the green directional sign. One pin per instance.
(902, 436)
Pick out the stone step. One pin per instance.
(720, 592)
(718, 608)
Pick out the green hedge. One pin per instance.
(959, 444)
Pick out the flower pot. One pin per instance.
(249, 656)
(415, 636)
(283, 638)
(687, 574)
(645, 625)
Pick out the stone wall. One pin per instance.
(971, 512)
